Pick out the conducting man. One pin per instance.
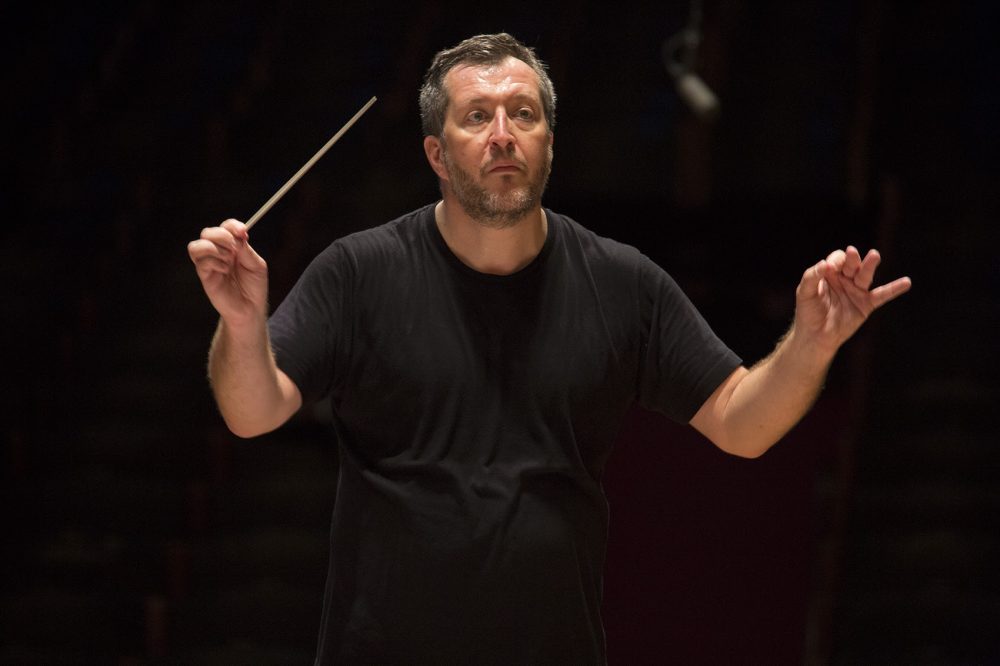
(480, 354)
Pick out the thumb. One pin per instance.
(249, 259)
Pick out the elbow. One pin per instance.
(246, 429)
(242, 431)
(245, 433)
(247, 422)
(751, 453)
(744, 447)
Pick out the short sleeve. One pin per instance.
(681, 360)
(310, 328)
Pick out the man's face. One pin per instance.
(496, 150)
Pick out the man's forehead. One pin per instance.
(510, 77)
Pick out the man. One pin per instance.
(480, 354)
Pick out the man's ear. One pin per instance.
(433, 149)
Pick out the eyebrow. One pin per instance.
(518, 97)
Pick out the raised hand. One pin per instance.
(835, 297)
(233, 275)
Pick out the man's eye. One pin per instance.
(525, 114)
(476, 117)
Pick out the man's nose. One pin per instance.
(500, 135)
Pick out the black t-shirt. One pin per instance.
(475, 414)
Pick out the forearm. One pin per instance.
(774, 395)
(753, 409)
(253, 396)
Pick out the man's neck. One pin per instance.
(488, 250)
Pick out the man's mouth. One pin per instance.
(503, 167)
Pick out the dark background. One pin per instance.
(140, 531)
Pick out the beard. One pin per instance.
(491, 209)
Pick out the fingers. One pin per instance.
(836, 259)
(237, 229)
(882, 295)
(847, 272)
(850, 265)
(852, 262)
(224, 242)
(858, 298)
(230, 235)
(813, 279)
(205, 253)
(224, 251)
(866, 274)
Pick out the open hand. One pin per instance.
(835, 297)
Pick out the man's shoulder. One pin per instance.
(593, 245)
(395, 235)
(385, 242)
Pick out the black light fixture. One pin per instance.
(679, 53)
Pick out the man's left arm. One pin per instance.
(752, 409)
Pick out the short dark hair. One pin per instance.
(478, 50)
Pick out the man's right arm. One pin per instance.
(253, 395)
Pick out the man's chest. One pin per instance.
(547, 337)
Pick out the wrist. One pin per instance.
(807, 351)
(243, 331)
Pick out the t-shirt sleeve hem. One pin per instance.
(296, 373)
(707, 385)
